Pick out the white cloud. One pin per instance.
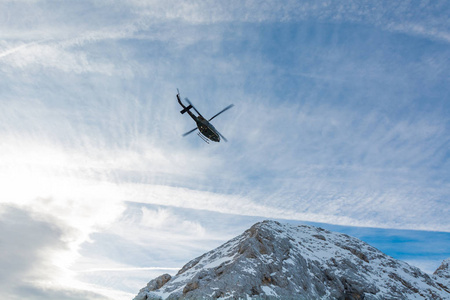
(164, 219)
(153, 19)
(27, 260)
(55, 57)
(414, 19)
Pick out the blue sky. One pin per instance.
(341, 119)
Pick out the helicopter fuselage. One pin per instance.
(207, 129)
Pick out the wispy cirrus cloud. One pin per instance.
(316, 146)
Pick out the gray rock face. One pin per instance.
(442, 275)
(275, 261)
(153, 285)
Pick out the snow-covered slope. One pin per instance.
(275, 261)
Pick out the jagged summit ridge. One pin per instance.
(280, 261)
(442, 274)
(444, 269)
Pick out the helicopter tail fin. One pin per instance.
(186, 109)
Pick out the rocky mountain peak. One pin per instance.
(444, 269)
(442, 274)
(271, 260)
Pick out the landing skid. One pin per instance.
(204, 138)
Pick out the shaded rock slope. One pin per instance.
(279, 261)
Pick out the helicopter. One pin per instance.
(206, 130)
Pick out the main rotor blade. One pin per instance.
(187, 100)
(226, 108)
(224, 138)
(189, 132)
